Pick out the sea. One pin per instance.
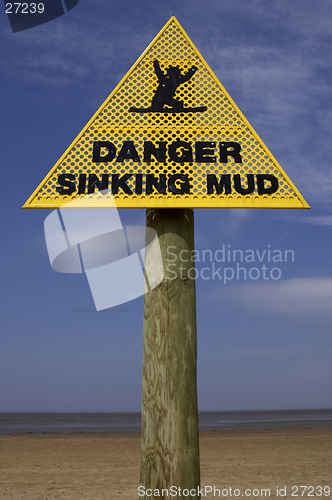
(69, 423)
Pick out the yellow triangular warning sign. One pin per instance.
(169, 136)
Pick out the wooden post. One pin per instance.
(170, 447)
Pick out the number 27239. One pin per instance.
(24, 8)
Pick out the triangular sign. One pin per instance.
(169, 136)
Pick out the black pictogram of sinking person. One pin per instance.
(164, 94)
(168, 85)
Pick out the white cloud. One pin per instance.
(295, 296)
(63, 56)
(318, 220)
(231, 225)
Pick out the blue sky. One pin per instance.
(262, 344)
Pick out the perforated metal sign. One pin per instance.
(169, 136)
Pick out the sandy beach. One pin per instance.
(101, 466)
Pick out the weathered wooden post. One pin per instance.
(170, 448)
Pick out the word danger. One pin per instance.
(178, 151)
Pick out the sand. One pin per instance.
(106, 466)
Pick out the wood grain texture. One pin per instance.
(170, 448)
